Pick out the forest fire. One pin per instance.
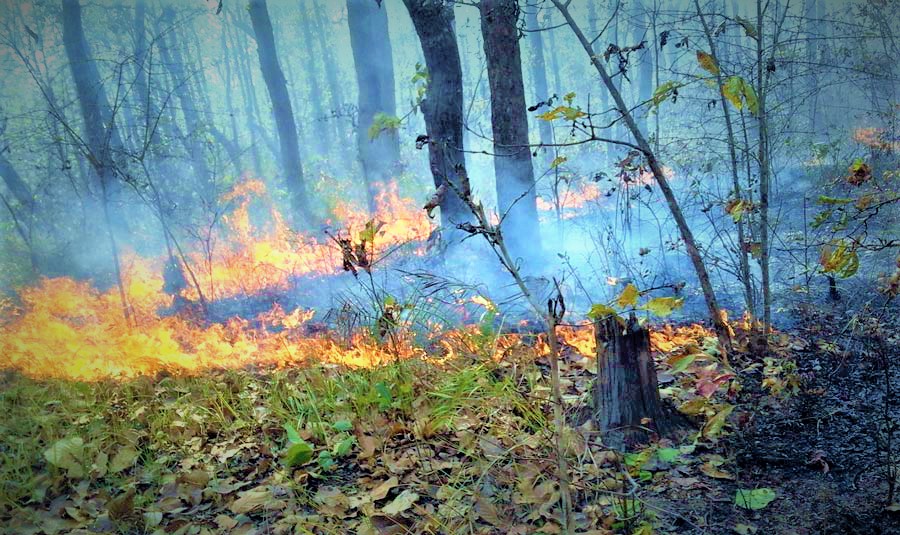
(252, 259)
(65, 328)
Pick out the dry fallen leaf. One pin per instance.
(401, 503)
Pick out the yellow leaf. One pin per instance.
(715, 424)
(559, 160)
(628, 297)
(663, 306)
(707, 62)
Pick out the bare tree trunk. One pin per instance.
(658, 174)
(281, 105)
(627, 406)
(375, 79)
(333, 78)
(100, 132)
(539, 79)
(763, 173)
(514, 174)
(171, 54)
(743, 256)
(442, 106)
(322, 134)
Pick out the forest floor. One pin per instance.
(796, 443)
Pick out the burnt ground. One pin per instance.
(826, 448)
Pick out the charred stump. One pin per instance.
(627, 406)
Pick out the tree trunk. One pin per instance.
(99, 127)
(514, 174)
(15, 184)
(627, 406)
(369, 39)
(442, 106)
(763, 158)
(333, 78)
(659, 176)
(731, 141)
(539, 79)
(171, 55)
(281, 106)
(321, 126)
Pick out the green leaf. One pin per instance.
(749, 28)
(707, 62)
(123, 459)
(628, 297)
(325, 460)
(299, 453)
(663, 92)
(740, 92)
(342, 425)
(715, 424)
(559, 160)
(820, 219)
(668, 455)
(570, 96)
(663, 306)
(67, 454)
(733, 91)
(382, 122)
(754, 499)
(599, 311)
(292, 434)
(680, 363)
(825, 199)
(343, 447)
(385, 399)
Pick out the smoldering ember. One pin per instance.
(449, 267)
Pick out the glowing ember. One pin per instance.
(876, 138)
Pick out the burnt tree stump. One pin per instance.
(627, 406)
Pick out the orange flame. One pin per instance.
(63, 328)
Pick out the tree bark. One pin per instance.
(322, 134)
(627, 406)
(539, 79)
(281, 106)
(514, 174)
(99, 127)
(192, 142)
(442, 106)
(369, 38)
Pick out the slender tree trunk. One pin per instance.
(242, 74)
(763, 157)
(281, 104)
(375, 79)
(15, 184)
(743, 256)
(332, 76)
(322, 134)
(171, 55)
(514, 174)
(656, 167)
(442, 106)
(539, 78)
(99, 125)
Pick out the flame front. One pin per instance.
(64, 328)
